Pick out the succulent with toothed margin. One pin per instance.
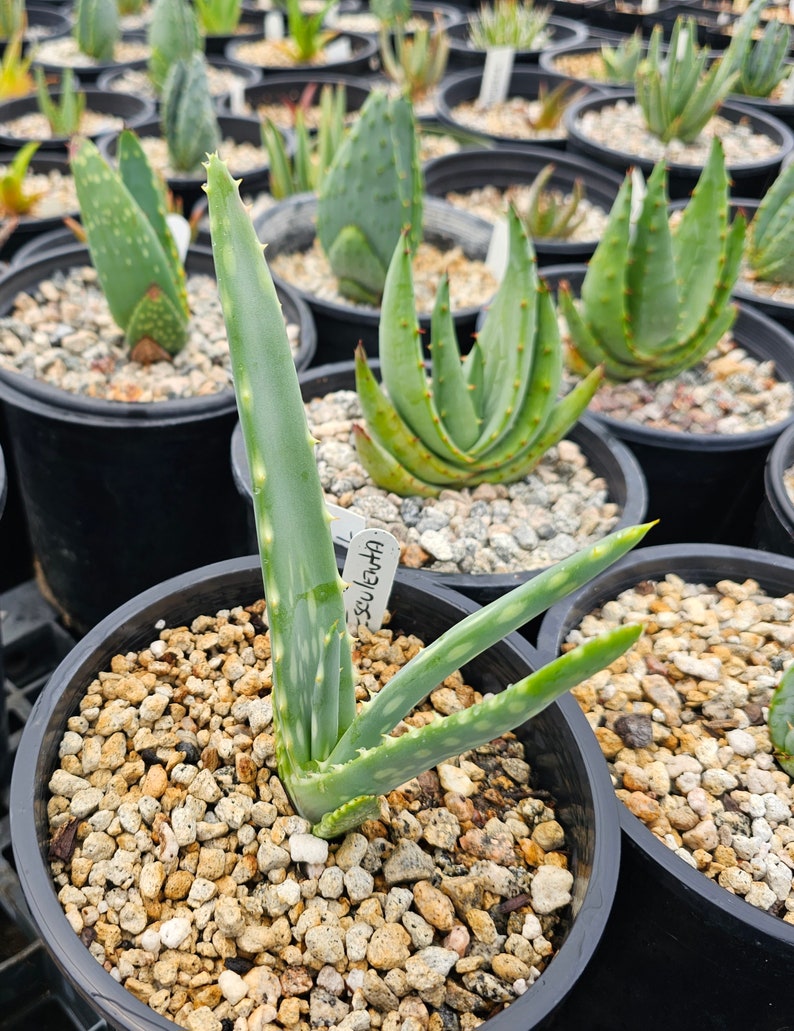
(761, 63)
(488, 418)
(65, 114)
(770, 234)
(173, 34)
(656, 299)
(13, 18)
(15, 77)
(621, 61)
(123, 213)
(547, 214)
(417, 62)
(187, 114)
(372, 190)
(96, 28)
(332, 759)
(15, 200)
(218, 17)
(780, 721)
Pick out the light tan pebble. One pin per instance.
(658, 778)
(211, 863)
(289, 1012)
(683, 818)
(232, 986)
(640, 805)
(85, 802)
(261, 1016)
(634, 777)
(229, 917)
(458, 939)
(351, 851)
(201, 891)
(421, 932)
(703, 836)
(440, 827)
(67, 784)
(307, 848)
(699, 801)
(396, 904)
(509, 968)
(205, 787)
(152, 708)
(703, 668)
(272, 857)
(358, 1020)
(452, 778)
(482, 926)
(550, 889)
(408, 863)
(760, 895)
(378, 993)
(325, 944)
(234, 809)
(609, 742)
(331, 882)
(735, 880)
(434, 906)
(263, 985)
(331, 980)
(174, 932)
(155, 782)
(717, 781)
(359, 884)
(658, 690)
(132, 918)
(98, 846)
(549, 835)
(389, 947)
(203, 1019)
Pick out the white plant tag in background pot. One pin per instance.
(338, 49)
(369, 569)
(496, 258)
(274, 25)
(180, 230)
(345, 523)
(496, 75)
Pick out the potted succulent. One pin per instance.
(312, 800)
(87, 508)
(36, 193)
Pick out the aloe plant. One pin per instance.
(173, 35)
(371, 191)
(761, 64)
(332, 759)
(218, 17)
(12, 18)
(65, 114)
(96, 28)
(548, 215)
(15, 77)
(488, 419)
(621, 61)
(187, 114)
(123, 213)
(655, 300)
(416, 62)
(306, 33)
(781, 721)
(313, 152)
(15, 200)
(508, 23)
(552, 105)
(677, 94)
(770, 235)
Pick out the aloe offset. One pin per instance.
(761, 64)
(372, 190)
(218, 17)
(97, 28)
(124, 217)
(654, 299)
(487, 419)
(65, 114)
(548, 215)
(770, 234)
(332, 759)
(417, 62)
(187, 114)
(173, 35)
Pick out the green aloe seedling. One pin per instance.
(655, 300)
(12, 18)
(372, 190)
(621, 61)
(761, 64)
(96, 28)
(781, 721)
(306, 34)
(123, 213)
(15, 77)
(770, 235)
(187, 115)
(314, 152)
(173, 35)
(64, 115)
(487, 419)
(333, 760)
(547, 215)
(678, 96)
(508, 23)
(15, 200)
(218, 17)
(416, 62)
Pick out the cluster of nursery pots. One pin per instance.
(105, 501)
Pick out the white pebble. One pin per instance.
(307, 848)
(741, 742)
(174, 931)
(551, 889)
(454, 779)
(232, 986)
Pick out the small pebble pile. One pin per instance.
(184, 870)
(493, 528)
(681, 720)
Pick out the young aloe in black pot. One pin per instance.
(333, 760)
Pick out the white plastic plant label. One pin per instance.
(787, 93)
(274, 25)
(498, 247)
(649, 6)
(338, 49)
(331, 16)
(180, 230)
(345, 524)
(496, 75)
(369, 569)
(237, 97)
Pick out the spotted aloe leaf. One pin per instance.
(332, 760)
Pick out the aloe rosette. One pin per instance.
(96, 28)
(173, 34)
(124, 216)
(333, 759)
(656, 299)
(187, 116)
(372, 190)
(770, 235)
(488, 418)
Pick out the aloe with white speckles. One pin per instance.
(123, 213)
(332, 759)
(656, 298)
(187, 113)
(487, 419)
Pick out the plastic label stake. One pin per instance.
(369, 569)
(496, 258)
(345, 524)
(237, 97)
(496, 75)
(274, 25)
(339, 49)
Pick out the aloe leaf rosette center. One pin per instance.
(334, 756)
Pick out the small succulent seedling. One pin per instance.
(15, 77)
(780, 721)
(371, 191)
(123, 213)
(508, 23)
(487, 419)
(218, 17)
(676, 93)
(552, 105)
(15, 200)
(314, 152)
(64, 114)
(415, 62)
(654, 300)
(12, 18)
(548, 214)
(173, 35)
(621, 61)
(333, 760)
(96, 28)
(306, 34)
(129, 7)
(770, 234)
(187, 114)
(761, 64)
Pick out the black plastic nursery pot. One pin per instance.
(30, 227)
(774, 524)
(525, 82)
(549, 58)
(471, 168)
(250, 26)
(729, 962)
(290, 226)
(606, 456)
(558, 32)
(564, 759)
(90, 71)
(134, 111)
(704, 486)
(749, 178)
(289, 88)
(114, 80)
(42, 22)
(363, 52)
(118, 496)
